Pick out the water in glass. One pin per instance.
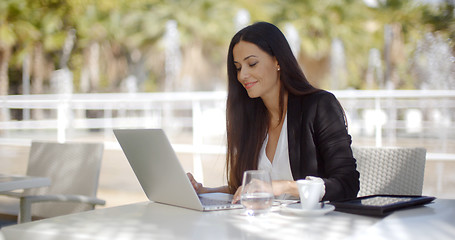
(257, 194)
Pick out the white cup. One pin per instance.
(310, 191)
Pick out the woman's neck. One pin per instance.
(273, 107)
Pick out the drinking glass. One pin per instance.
(257, 195)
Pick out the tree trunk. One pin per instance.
(93, 66)
(38, 72)
(38, 69)
(5, 54)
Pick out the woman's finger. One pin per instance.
(196, 185)
(192, 180)
(237, 194)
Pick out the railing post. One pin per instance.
(4, 114)
(108, 121)
(378, 122)
(197, 140)
(62, 117)
(147, 115)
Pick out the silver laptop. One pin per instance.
(160, 173)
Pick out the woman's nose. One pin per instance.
(243, 75)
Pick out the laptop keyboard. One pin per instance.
(210, 201)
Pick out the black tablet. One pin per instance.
(379, 205)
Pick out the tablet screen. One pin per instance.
(383, 200)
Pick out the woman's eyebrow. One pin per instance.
(247, 58)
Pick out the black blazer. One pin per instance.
(319, 144)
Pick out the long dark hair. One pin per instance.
(247, 118)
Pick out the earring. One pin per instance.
(278, 69)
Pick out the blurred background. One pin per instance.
(73, 70)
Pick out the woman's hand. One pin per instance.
(196, 185)
(282, 186)
(279, 187)
(201, 189)
(237, 194)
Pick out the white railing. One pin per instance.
(399, 117)
(382, 115)
(370, 113)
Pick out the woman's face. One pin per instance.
(257, 71)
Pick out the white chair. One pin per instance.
(74, 172)
(387, 170)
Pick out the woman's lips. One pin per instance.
(249, 85)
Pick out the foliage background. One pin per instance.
(115, 39)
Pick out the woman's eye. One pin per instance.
(238, 69)
(253, 64)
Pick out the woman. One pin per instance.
(278, 122)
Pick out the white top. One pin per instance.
(280, 168)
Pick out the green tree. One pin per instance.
(117, 38)
(319, 23)
(14, 30)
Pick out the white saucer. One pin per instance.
(295, 209)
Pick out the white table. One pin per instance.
(435, 221)
(149, 220)
(15, 182)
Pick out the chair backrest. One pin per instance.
(73, 169)
(387, 170)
